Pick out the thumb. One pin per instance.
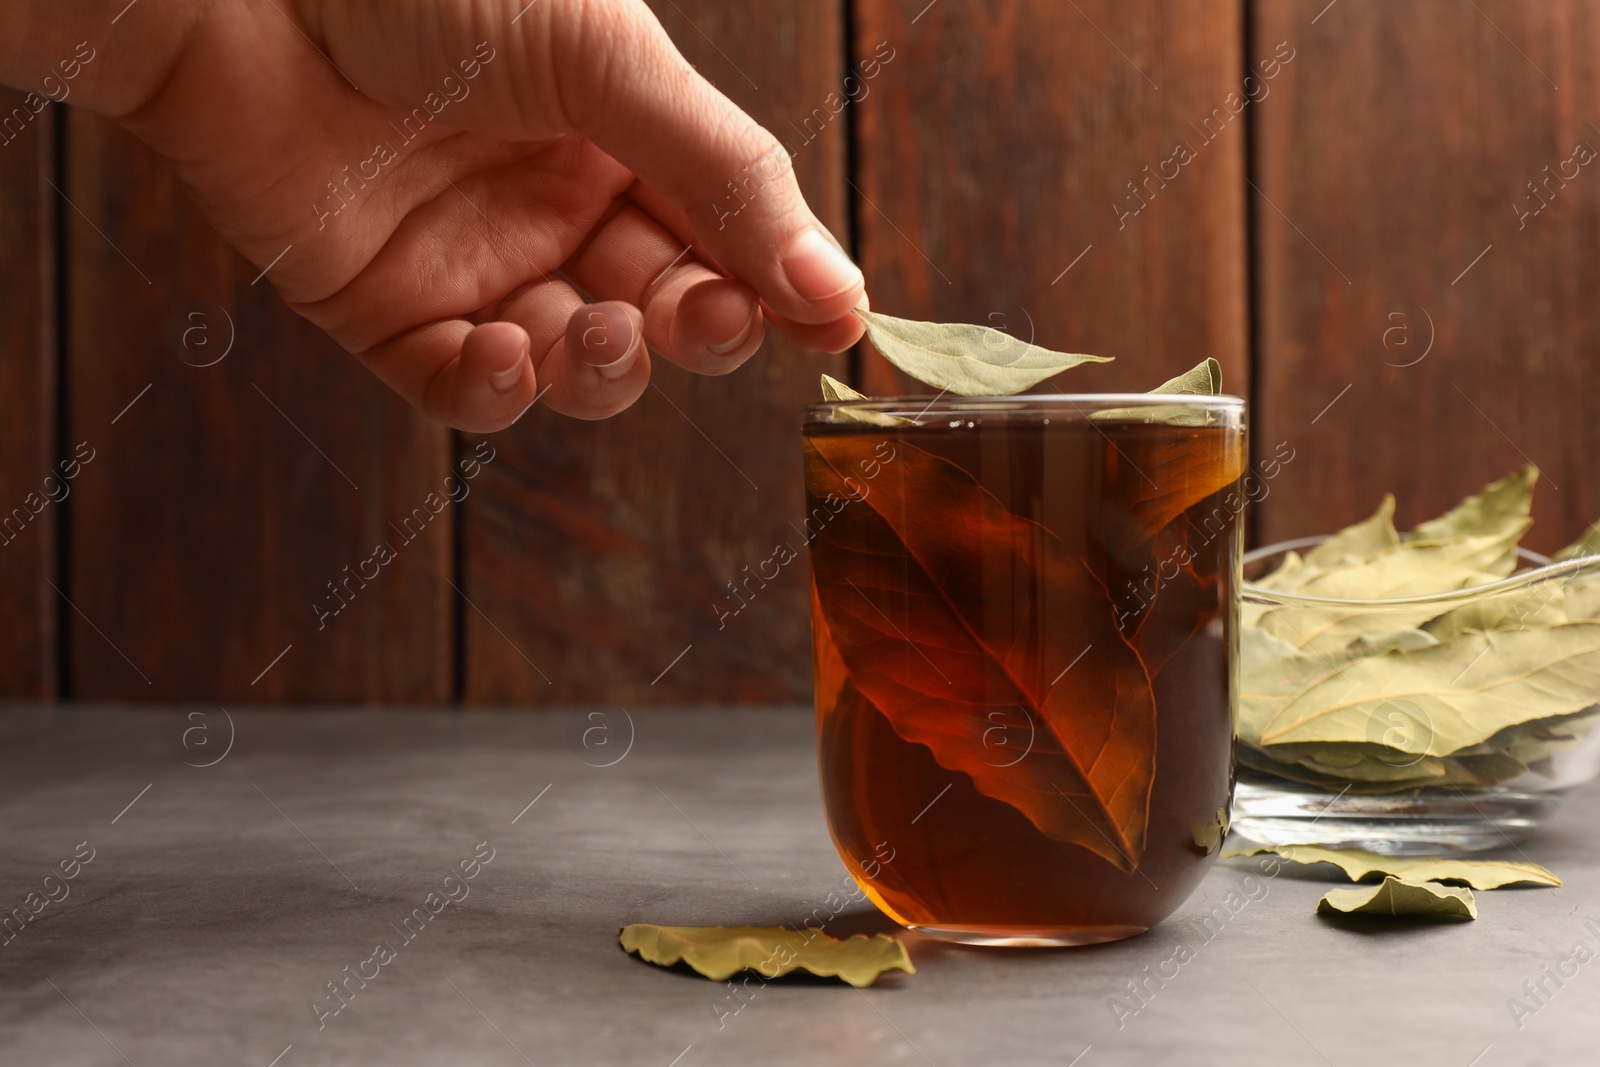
(630, 91)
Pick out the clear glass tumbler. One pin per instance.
(1023, 613)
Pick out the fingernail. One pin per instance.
(817, 269)
(735, 343)
(605, 336)
(504, 381)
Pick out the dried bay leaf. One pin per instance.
(1272, 673)
(965, 359)
(1472, 544)
(1155, 480)
(834, 390)
(1398, 641)
(1587, 545)
(1359, 864)
(1203, 379)
(927, 646)
(1411, 569)
(1468, 689)
(1258, 760)
(1536, 606)
(1396, 897)
(1358, 543)
(1499, 511)
(718, 952)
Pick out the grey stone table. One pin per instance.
(227, 868)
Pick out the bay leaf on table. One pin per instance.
(925, 642)
(965, 359)
(1359, 864)
(1397, 896)
(1468, 689)
(718, 952)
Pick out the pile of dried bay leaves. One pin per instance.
(1465, 691)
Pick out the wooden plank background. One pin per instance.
(1393, 163)
(225, 498)
(30, 509)
(996, 171)
(1331, 199)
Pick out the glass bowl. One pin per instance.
(1378, 742)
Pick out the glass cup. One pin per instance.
(1023, 619)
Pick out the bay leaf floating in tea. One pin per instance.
(1359, 864)
(1203, 379)
(966, 359)
(1397, 897)
(1162, 483)
(834, 390)
(911, 564)
(719, 952)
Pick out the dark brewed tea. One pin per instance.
(1023, 627)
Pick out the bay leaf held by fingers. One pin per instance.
(1397, 896)
(965, 359)
(719, 952)
(1358, 864)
